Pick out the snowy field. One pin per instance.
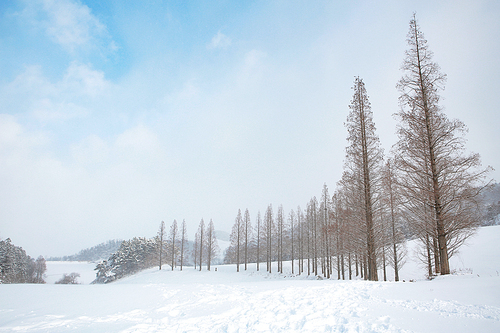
(226, 301)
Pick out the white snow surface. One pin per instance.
(251, 301)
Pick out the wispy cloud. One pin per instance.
(219, 41)
(70, 24)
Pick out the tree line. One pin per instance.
(18, 267)
(172, 248)
(428, 187)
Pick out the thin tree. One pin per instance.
(201, 229)
(325, 207)
(392, 200)
(280, 221)
(183, 240)
(300, 224)
(235, 237)
(161, 241)
(173, 239)
(212, 246)
(258, 226)
(291, 220)
(268, 218)
(248, 229)
(363, 158)
(196, 248)
(431, 147)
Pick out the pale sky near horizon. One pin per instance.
(117, 115)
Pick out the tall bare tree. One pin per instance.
(363, 159)
(183, 240)
(211, 241)
(247, 226)
(300, 225)
(235, 237)
(280, 223)
(258, 226)
(392, 200)
(431, 151)
(173, 239)
(161, 242)
(201, 230)
(269, 226)
(293, 232)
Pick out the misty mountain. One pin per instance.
(491, 205)
(222, 235)
(95, 253)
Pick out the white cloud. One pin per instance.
(81, 79)
(47, 110)
(90, 151)
(139, 140)
(69, 24)
(71, 97)
(13, 137)
(219, 41)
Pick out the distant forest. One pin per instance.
(95, 253)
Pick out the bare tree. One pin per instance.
(211, 241)
(196, 248)
(258, 226)
(392, 200)
(248, 233)
(173, 239)
(40, 268)
(183, 240)
(291, 220)
(235, 237)
(431, 151)
(312, 233)
(280, 222)
(269, 223)
(325, 227)
(363, 159)
(161, 241)
(201, 230)
(300, 226)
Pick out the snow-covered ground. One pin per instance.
(56, 270)
(251, 301)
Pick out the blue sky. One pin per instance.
(117, 115)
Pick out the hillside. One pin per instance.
(94, 253)
(226, 301)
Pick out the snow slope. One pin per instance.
(251, 301)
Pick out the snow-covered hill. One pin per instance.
(251, 301)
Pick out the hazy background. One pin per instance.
(115, 117)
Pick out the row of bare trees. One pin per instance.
(172, 247)
(429, 181)
(428, 188)
(327, 237)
